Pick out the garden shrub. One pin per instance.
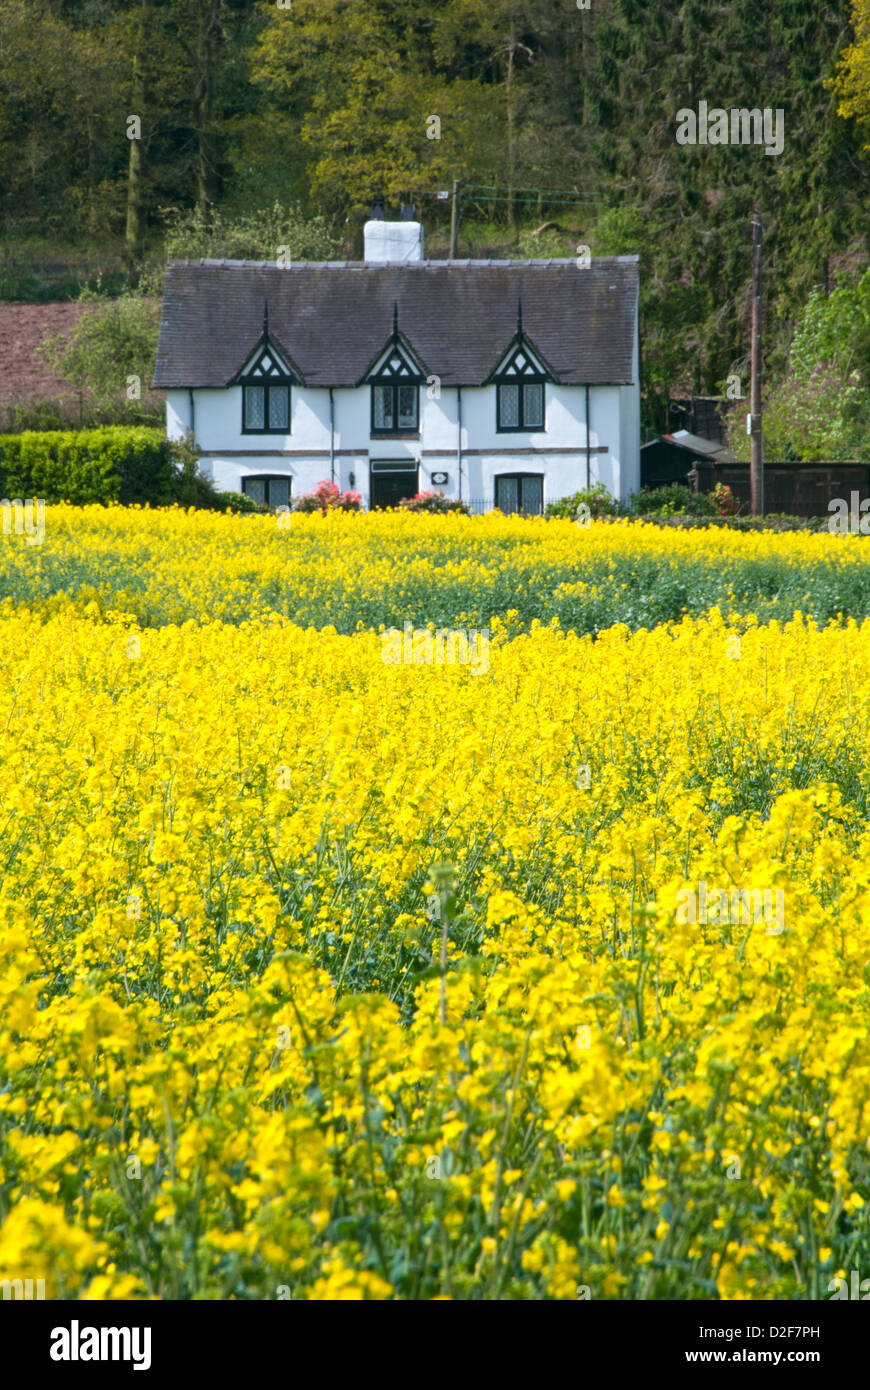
(236, 502)
(432, 502)
(112, 346)
(772, 522)
(328, 497)
(675, 499)
(126, 464)
(596, 498)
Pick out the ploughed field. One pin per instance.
(328, 970)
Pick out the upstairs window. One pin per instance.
(395, 396)
(266, 396)
(520, 393)
(395, 408)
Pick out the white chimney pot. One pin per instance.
(393, 241)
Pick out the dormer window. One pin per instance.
(519, 380)
(266, 395)
(395, 388)
(520, 392)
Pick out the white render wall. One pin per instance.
(304, 453)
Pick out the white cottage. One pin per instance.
(501, 383)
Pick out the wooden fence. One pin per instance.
(797, 489)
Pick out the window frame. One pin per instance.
(274, 378)
(520, 374)
(268, 479)
(393, 379)
(518, 477)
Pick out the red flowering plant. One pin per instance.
(431, 502)
(724, 501)
(328, 497)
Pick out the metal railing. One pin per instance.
(478, 506)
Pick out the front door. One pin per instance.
(391, 481)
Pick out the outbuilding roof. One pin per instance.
(333, 318)
(695, 444)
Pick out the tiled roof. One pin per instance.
(333, 318)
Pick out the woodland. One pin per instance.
(135, 129)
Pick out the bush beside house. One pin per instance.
(327, 497)
(432, 502)
(114, 463)
(670, 500)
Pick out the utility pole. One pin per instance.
(756, 456)
(454, 220)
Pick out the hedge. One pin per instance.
(773, 521)
(113, 464)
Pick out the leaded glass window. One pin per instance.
(255, 411)
(269, 490)
(520, 492)
(396, 396)
(266, 396)
(508, 407)
(520, 392)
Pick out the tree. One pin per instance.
(365, 79)
(836, 329)
(809, 416)
(206, 33)
(820, 408)
(54, 133)
(507, 45)
(263, 235)
(110, 353)
(852, 78)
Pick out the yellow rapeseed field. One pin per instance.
(361, 570)
(329, 976)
